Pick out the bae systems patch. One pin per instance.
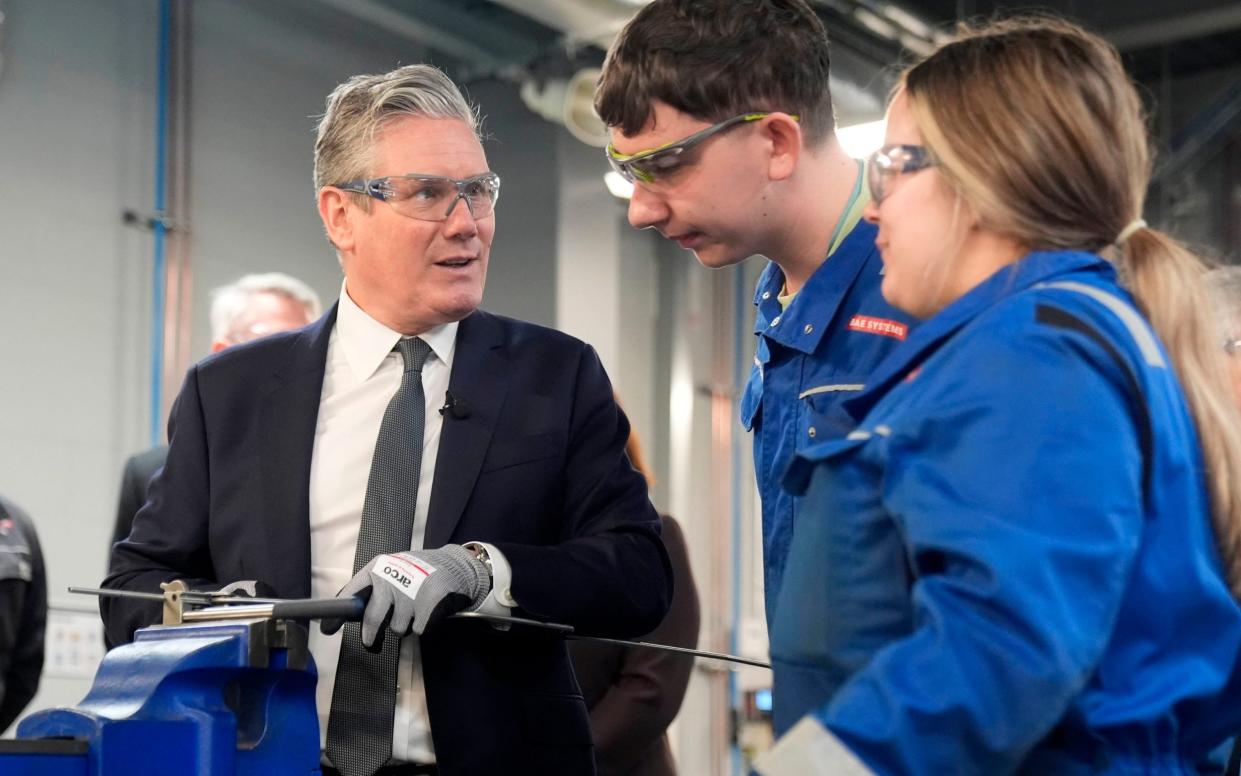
(884, 326)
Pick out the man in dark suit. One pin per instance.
(293, 460)
(139, 469)
(250, 307)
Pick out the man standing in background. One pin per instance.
(250, 307)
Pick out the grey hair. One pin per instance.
(1224, 286)
(360, 107)
(230, 302)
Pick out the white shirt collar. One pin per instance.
(366, 342)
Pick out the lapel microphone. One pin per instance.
(455, 408)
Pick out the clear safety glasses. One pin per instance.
(431, 197)
(891, 161)
(650, 166)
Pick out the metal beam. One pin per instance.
(1203, 131)
(451, 40)
(1177, 28)
(584, 22)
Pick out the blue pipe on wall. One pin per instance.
(159, 265)
(740, 307)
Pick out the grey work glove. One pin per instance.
(417, 587)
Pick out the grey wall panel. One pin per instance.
(76, 133)
(521, 277)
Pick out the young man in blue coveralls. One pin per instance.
(721, 116)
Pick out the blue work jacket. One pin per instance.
(1011, 565)
(809, 358)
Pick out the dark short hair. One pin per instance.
(713, 59)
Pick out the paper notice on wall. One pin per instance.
(73, 644)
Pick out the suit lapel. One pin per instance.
(287, 422)
(480, 379)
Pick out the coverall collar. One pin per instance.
(806, 320)
(1031, 269)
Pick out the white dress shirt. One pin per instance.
(362, 373)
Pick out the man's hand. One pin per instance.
(417, 587)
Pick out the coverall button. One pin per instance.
(808, 329)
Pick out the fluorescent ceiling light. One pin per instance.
(616, 183)
(876, 24)
(860, 140)
(908, 21)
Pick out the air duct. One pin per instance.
(570, 103)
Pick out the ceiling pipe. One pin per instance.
(1174, 29)
(463, 47)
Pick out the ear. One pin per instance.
(784, 137)
(218, 345)
(337, 214)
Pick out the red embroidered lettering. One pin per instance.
(883, 326)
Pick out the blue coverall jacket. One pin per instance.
(1009, 566)
(808, 359)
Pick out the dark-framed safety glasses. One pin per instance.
(431, 197)
(891, 161)
(650, 166)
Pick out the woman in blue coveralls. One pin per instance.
(1025, 558)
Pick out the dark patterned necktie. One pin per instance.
(359, 728)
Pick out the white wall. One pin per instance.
(607, 281)
(74, 119)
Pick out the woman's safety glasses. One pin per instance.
(650, 166)
(888, 162)
(431, 197)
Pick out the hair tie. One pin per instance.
(1129, 230)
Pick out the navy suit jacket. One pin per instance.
(139, 469)
(537, 468)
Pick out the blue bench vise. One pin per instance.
(226, 698)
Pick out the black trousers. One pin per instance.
(403, 769)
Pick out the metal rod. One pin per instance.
(501, 619)
(116, 593)
(670, 648)
(567, 632)
(196, 596)
(351, 609)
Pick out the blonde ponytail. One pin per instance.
(1166, 280)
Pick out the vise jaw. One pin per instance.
(228, 698)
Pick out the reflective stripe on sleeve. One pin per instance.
(810, 749)
(831, 389)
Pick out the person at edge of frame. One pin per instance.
(250, 307)
(23, 606)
